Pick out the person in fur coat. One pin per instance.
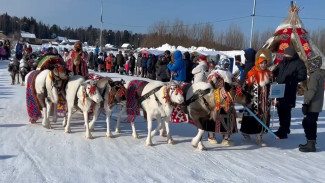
(77, 60)
(226, 124)
(258, 82)
(313, 104)
(200, 69)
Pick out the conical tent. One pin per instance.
(292, 32)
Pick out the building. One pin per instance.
(109, 47)
(2, 35)
(29, 38)
(126, 46)
(60, 39)
(72, 41)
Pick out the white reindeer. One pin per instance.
(47, 86)
(122, 108)
(87, 96)
(23, 70)
(112, 92)
(158, 105)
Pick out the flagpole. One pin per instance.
(101, 26)
(252, 28)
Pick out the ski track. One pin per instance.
(30, 153)
(36, 163)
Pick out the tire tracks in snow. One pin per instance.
(214, 161)
(162, 153)
(30, 157)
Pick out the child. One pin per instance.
(258, 82)
(313, 104)
(127, 67)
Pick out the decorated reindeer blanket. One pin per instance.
(48, 61)
(62, 106)
(178, 115)
(33, 106)
(95, 78)
(133, 91)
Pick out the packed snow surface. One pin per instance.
(31, 153)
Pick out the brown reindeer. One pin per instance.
(13, 68)
(204, 109)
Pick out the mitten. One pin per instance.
(304, 108)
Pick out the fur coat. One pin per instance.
(199, 72)
(81, 68)
(258, 83)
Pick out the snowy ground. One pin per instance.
(30, 153)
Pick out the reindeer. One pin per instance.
(200, 105)
(203, 108)
(112, 92)
(157, 100)
(23, 70)
(13, 68)
(45, 89)
(83, 95)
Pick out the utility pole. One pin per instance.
(252, 28)
(101, 26)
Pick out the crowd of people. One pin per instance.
(5, 49)
(254, 78)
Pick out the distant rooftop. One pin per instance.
(72, 40)
(109, 46)
(125, 45)
(61, 38)
(27, 35)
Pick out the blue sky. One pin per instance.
(138, 15)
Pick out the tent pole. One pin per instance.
(252, 28)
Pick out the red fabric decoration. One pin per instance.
(239, 91)
(92, 89)
(285, 42)
(178, 115)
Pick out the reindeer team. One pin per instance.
(53, 86)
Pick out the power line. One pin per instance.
(211, 22)
(306, 18)
(224, 20)
(314, 18)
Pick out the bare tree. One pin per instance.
(318, 38)
(234, 37)
(256, 40)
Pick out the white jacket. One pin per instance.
(199, 72)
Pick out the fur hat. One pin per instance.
(78, 44)
(265, 54)
(314, 63)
